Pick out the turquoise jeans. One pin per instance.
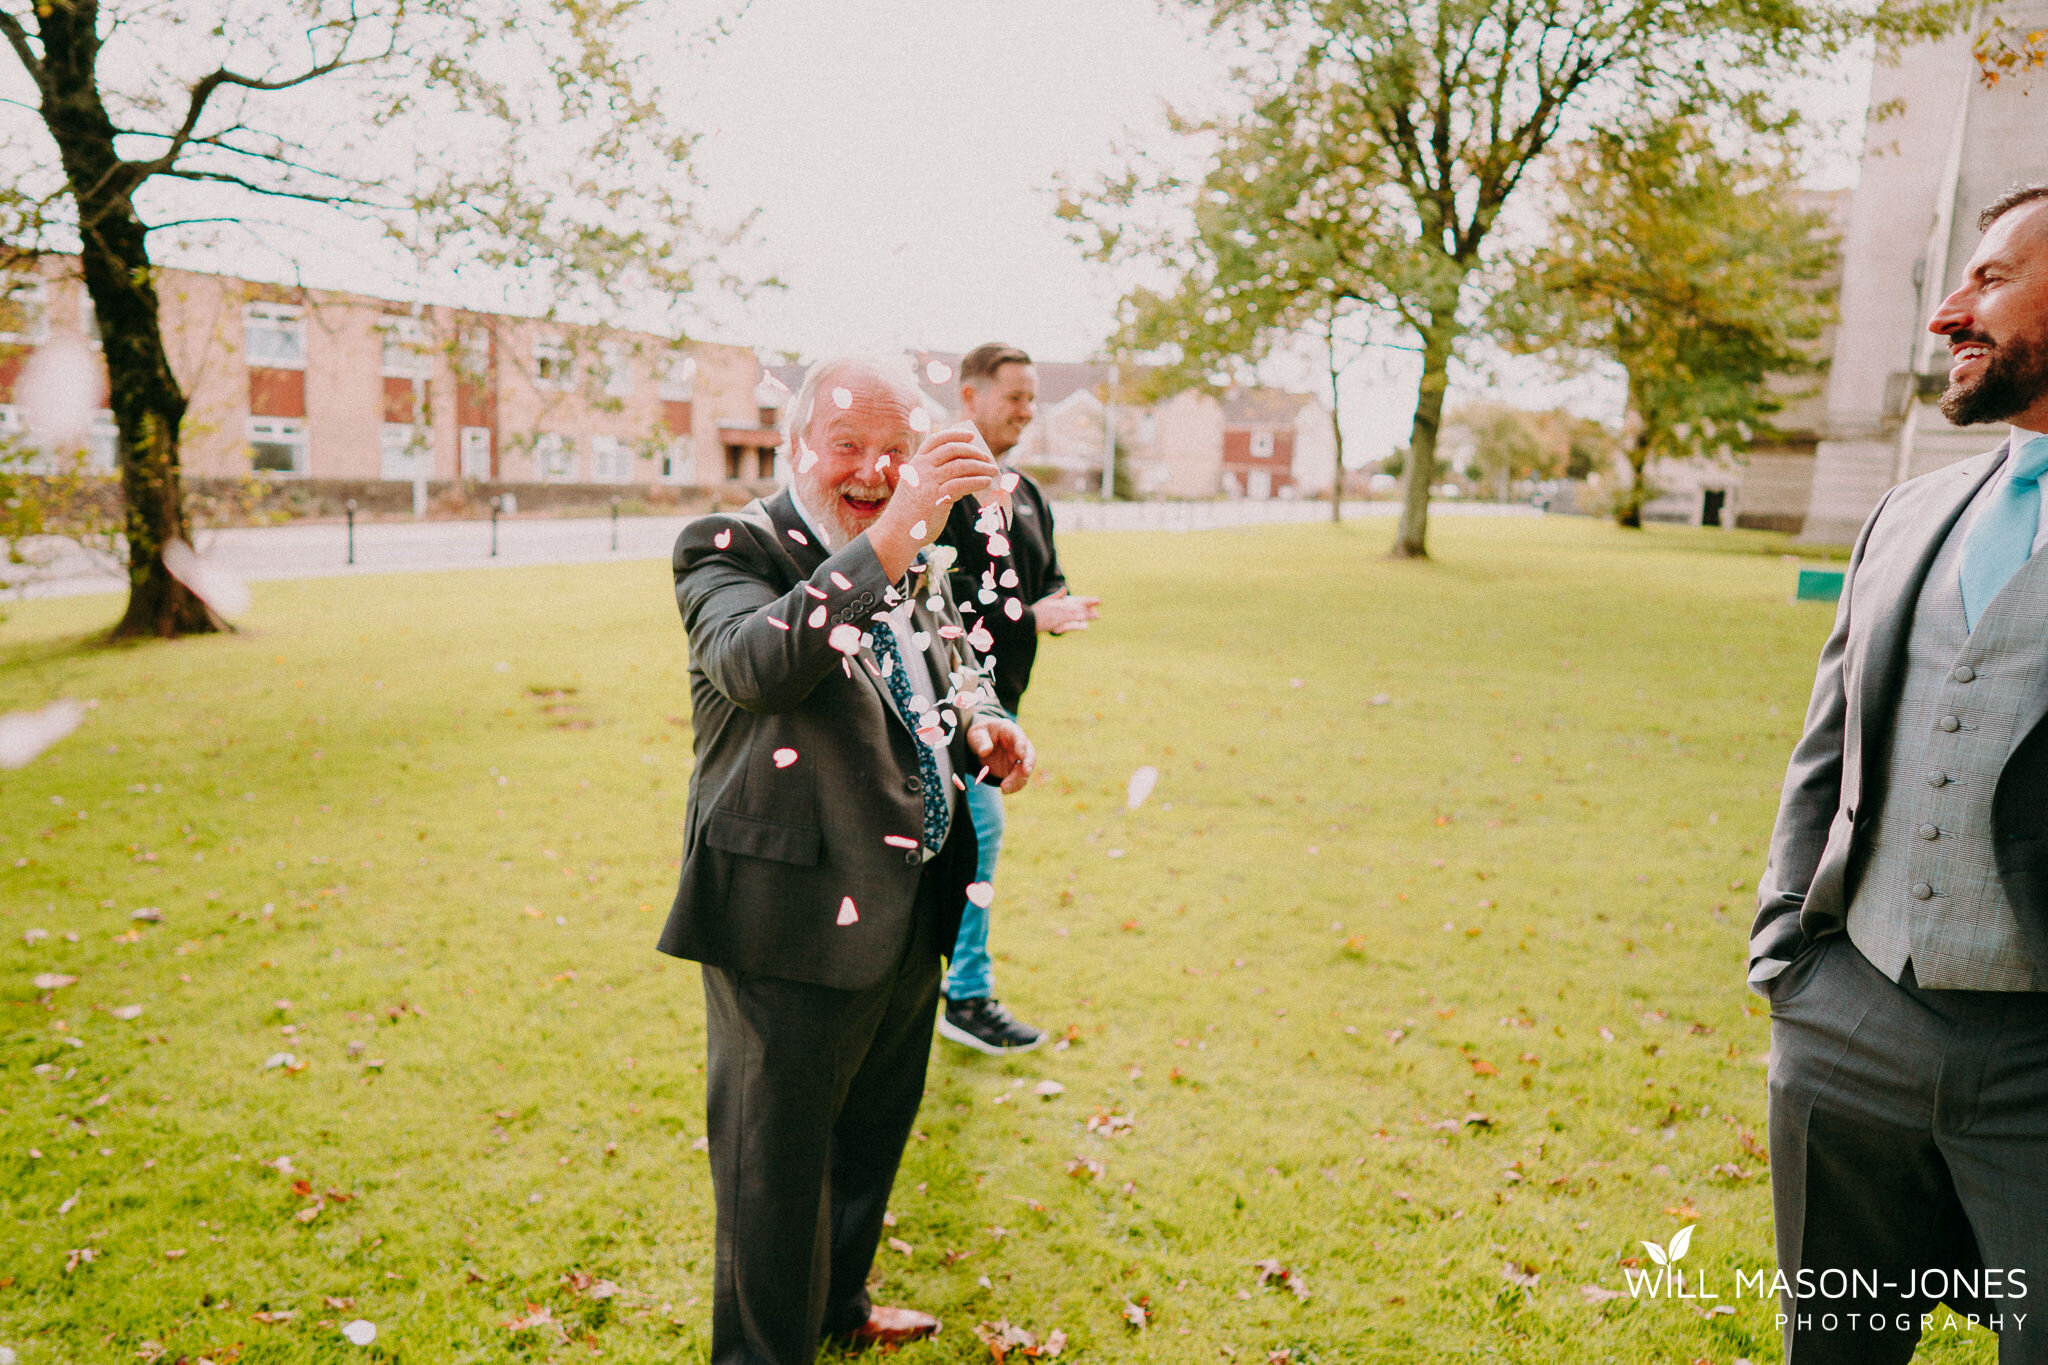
(970, 975)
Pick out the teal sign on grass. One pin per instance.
(1819, 585)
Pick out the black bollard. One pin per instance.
(495, 504)
(615, 522)
(351, 530)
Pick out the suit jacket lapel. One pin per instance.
(1884, 655)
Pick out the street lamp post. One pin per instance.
(615, 521)
(351, 530)
(496, 503)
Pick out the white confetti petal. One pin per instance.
(920, 420)
(1141, 785)
(226, 594)
(911, 476)
(361, 1332)
(844, 638)
(917, 530)
(723, 540)
(784, 757)
(25, 734)
(982, 894)
(842, 398)
(937, 371)
(847, 913)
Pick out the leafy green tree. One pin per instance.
(1698, 274)
(524, 139)
(1385, 139)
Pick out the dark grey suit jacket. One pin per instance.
(1834, 784)
(771, 852)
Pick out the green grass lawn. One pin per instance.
(1419, 973)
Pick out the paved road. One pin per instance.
(320, 549)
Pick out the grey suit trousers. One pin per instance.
(811, 1093)
(1909, 1160)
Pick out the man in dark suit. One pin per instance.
(1902, 927)
(838, 717)
(1007, 579)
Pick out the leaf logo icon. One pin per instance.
(1681, 1242)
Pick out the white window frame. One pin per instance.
(279, 431)
(473, 447)
(616, 358)
(611, 460)
(678, 459)
(282, 319)
(405, 451)
(474, 343)
(554, 458)
(33, 294)
(103, 443)
(406, 348)
(679, 379)
(1262, 445)
(554, 363)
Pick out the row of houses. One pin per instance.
(312, 385)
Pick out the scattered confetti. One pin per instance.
(911, 476)
(920, 420)
(798, 536)
(807, 459)
(784, 757)
(723, 540)
(1045, 1090)
(917, 530)
(844, 637)
(842, 398)
(25, 734)
(226, 594)
(937, 371)
(848, 914)
(982, 894)
(1141, 785)
(1013, 609)
(899, 841)
(53, 981)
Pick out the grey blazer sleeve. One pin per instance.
(759, 647)
(1811, 798)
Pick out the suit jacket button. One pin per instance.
(1937, 778)
(913, 786)
(1922, 891)
(913, 857)
(1964, 673)
(1929, 832)
(1950, 724)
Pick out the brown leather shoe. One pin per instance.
(889, 1326)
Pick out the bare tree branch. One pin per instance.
(17, 38)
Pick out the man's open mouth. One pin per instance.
(1962, 355)
(869, 506)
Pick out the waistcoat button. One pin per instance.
(1937, 778)
(1922, 891)
(1964, 673)
(1951, 724)
(1929, 832)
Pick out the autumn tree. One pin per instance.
(1698, 273)
(525, 140)
(1385, 140)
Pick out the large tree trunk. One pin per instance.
(148, 404)
(1628, 508)
(1337, 430)
(1419, 469)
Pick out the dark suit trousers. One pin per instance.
(811, 1094)
(1909, 1146)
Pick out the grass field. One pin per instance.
(1418, 974)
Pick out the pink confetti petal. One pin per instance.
(950, 632)
(911, 476)
(842, 398)
(899, 841)
(844, 638)
(798, 536)
(807, 459)
(1008, 483)
(980, 638)
(920, 420)
(784, 757)
(981, 893)
(815, 591)
(917, 530)
(841, 581)
(998, 546)
(723, 540)
(848, 914)
(816, 618)
(778, 623)
(937, 371)
(1013, 609)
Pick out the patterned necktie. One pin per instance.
(936, 814)
(2001, 539)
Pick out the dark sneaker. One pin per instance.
(984, 1025)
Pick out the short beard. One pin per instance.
(2015, 377)
(823, 504)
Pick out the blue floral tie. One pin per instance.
(936, 812)
(2001, 540)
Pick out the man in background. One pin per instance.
(1006, 575)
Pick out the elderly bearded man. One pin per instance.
(1902, 930)
(828, 847)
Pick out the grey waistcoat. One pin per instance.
(1929, 892)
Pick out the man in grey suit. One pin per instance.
(1902, 928)
(838, 717)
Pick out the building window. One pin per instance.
(277, 445)
(611, 460)
(553, 460)
(405, 451)
(474, 445)
(274, 335)
(103, 443)
(554, 364)
(407, 351)
(615, 358)
(679, 379)
(1262, 446)
(735, 462)
(474, 358)
(24, 317)
(675, 459)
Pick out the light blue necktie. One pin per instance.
(937, 800)
(2001, 540)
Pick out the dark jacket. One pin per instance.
(771, 851)
(1037, 565)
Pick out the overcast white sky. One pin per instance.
(901, 156)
